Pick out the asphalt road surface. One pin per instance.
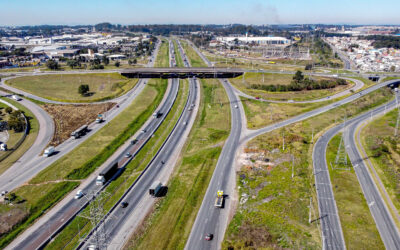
(383, 218)
(137, 194)
(209, 219)
(61, 217)
(31, 163)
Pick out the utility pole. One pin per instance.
(309, 216)
(292, 166)
(312, 135)
(283, 148)
(397, 123)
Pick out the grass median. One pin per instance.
(162, 59)
(179, 61)
(69, 237)
(64, 87)
(273, 208)
(358, 225)
(383, 150)
(170, 224)
(194, 58)
(81, 161)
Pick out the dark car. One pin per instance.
(124, 204)
(134, 141)
(209, 237)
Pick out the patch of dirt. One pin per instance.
(11, 218)
(250, 236)
(68, 118)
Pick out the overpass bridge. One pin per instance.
(182, 72)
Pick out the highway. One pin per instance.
(385, 223)
(62, 215)
(331, 229)
(212, 220)
(121, 222)
(46, 131)
(31, 163)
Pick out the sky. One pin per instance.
(73, 12)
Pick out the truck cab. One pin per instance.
(219, 201)
(100, 180)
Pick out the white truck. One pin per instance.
(49, 151)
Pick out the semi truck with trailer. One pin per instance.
(80, 132)
(106, 174)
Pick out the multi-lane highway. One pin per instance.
(331, 230)
(207, 216)
(384, 220)
(62, 215)
(121, 221)
(32, 162)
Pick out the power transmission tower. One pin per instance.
(95, 214)
(341, 157)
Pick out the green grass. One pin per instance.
(81, 161)
(38, 200)
(358, 225)
(383, 149)
(162, 59)
(64, 87)
(170, 224)
(179, 61)
(260, 114)
(194, 58)
(68, 238)
(282, 79)
(29, 139)
(276, 213)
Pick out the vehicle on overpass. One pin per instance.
(219, 201)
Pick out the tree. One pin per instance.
(105, 60)
(83, 89)
(16, 121)
(117, 64)
(9, 110)
(53, 65)
(308, 67)
(298, 77)
(73, 63)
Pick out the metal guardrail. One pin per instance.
(57, 231)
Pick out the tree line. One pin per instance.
(299, 83)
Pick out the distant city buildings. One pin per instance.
(365, 57)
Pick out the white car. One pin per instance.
(15, 97)
(236, 106)
(79, 194)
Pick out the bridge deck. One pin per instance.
(182, 72)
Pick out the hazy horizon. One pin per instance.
(255, 12)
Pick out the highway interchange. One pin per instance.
(209, 219)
